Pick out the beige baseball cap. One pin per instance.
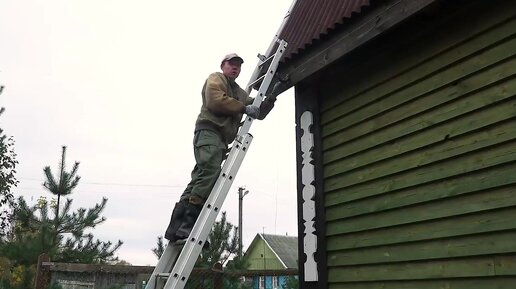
(232, 56)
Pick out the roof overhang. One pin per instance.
(382, 17)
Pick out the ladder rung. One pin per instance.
(258, 80)
(163, 275)
(267, 60)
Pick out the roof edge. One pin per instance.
(380, 19)
(276, 254)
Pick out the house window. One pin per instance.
(274, 282)
(261, 282)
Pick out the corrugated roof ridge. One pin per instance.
(311, 19)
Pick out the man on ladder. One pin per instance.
(223, 105)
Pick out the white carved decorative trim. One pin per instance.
(307, 179)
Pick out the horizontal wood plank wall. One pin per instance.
(420, 162)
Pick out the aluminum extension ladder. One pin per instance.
(174, 273)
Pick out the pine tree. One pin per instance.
(64, 185)
(291, 282)
(8, 180)
(35, 232)
(160, 247)
(42, 228)
(223, 240)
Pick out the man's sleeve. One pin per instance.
(217, 101)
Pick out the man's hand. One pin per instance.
(252, 111)
(271, 98)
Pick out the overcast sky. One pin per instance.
(118, 82)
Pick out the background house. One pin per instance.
(271, 252)
(406, 142)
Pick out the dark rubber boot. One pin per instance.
(188, 221)
(182, 221)
(175, 221)
(191, 215)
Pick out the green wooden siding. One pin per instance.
(419, 154)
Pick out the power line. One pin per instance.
(132, 185)
(114, 184)
(21, 189)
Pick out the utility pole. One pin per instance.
(241, 194)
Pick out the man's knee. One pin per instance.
(196, 200)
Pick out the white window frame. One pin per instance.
(275, 282)
(261, 282)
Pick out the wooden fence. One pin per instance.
(93, 276)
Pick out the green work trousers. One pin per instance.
(209, 150)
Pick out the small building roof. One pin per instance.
(285, 248)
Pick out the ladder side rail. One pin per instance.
(192, 248)
(275, 40)
(264, 87)
(254, 77)
(280, 29)
(164, 264)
